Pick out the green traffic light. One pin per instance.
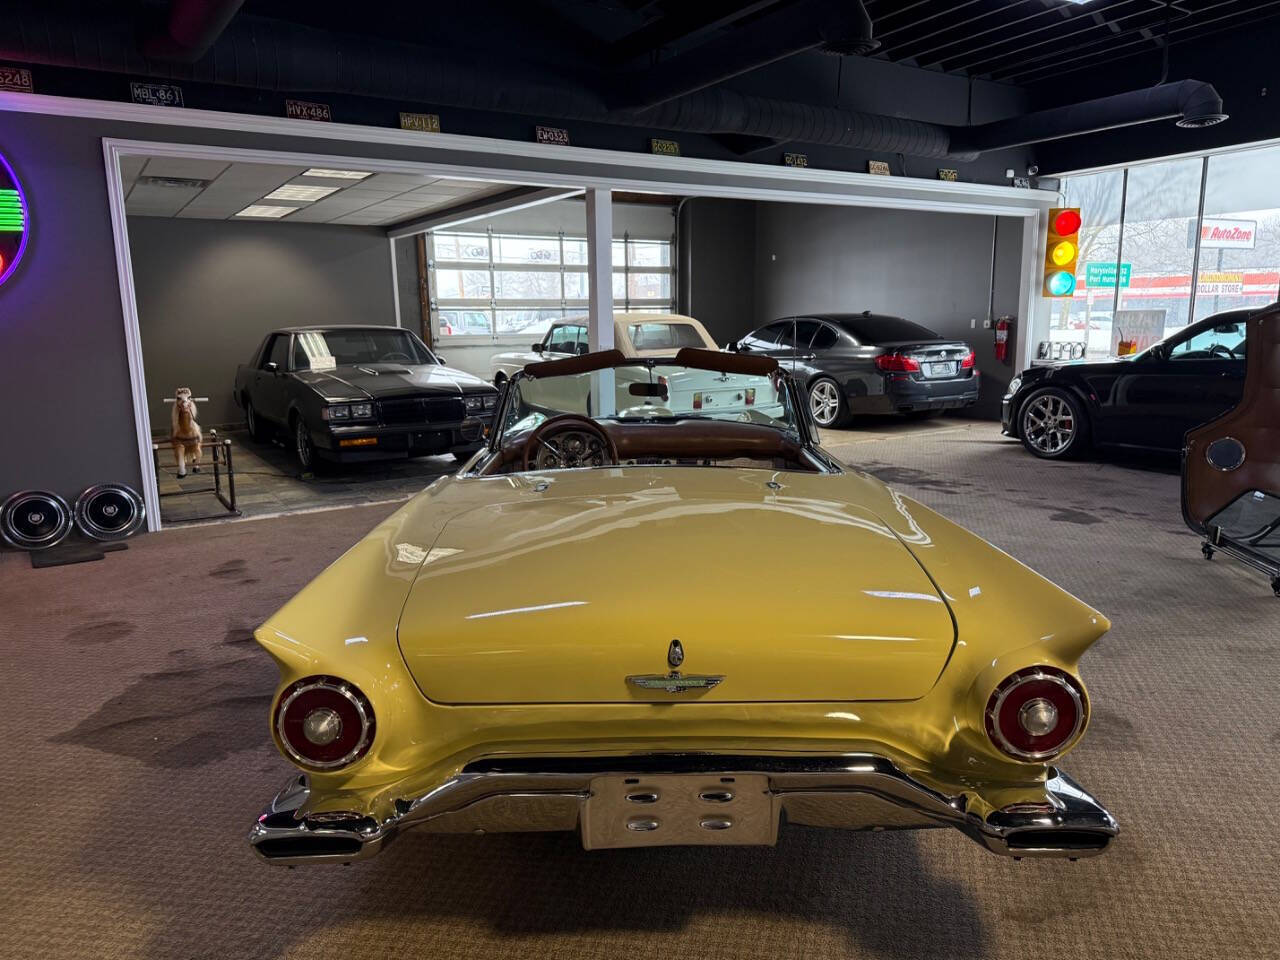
(1061, 284)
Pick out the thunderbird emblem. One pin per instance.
(673, 682)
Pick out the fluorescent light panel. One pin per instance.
(337, 174)
(266, 211)
(293, 191)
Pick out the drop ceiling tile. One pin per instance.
(184, 168)
(146, 200)
(130, 168)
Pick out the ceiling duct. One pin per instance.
(1191, 103)
(191, 29)
(835, 27)
(264, 54)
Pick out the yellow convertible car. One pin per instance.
(665, 616)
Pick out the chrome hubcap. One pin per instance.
(824, 402)
(1049, 424)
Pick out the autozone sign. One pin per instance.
(1240, 234)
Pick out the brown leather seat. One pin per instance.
(1239, 453)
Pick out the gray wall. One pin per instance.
(209, 290)
(934, 268)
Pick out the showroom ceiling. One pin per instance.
(1028, 42)
(217, 190)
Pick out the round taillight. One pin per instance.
(1036, 713)
(324, 722)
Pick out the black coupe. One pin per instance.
(1147, 401)
(351, 393)
(868, 363)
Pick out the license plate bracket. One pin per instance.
(938, 369)
(679, 809)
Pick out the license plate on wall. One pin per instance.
(947, 369)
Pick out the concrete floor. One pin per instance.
(268, 482)
(137, 733)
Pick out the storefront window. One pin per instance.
(1081, 326)
(1161, 204)
(1240, 233)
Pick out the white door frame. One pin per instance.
(519, 164)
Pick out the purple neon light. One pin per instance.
(26, 221)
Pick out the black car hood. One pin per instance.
(380, 381)
(1108, 365)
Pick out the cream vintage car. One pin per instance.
(635, 334)
(488, 660)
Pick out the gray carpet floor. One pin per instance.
(138, 754)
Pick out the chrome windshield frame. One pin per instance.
(803, 422)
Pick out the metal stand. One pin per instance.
(1248, 557)
(220, 460)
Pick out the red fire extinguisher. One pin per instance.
(1002, 339)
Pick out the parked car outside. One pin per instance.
(351, 393)
(635, 334)
(1148, 400)
(864, 363)
(510, 676)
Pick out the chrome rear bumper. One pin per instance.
(854, 792)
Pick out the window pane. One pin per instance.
(461, 246)
(1219, 342)
(575, 252)
(522, 322)
(526, 285)
(1084, 320)
(619, 254)
(464, 323)
(648, 286)
(1161, 203)
(462, 285)
(619, 286)
(541, 250)
(575, 285)
(1240, 235)
(650, 253)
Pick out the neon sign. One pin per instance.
(15, 225)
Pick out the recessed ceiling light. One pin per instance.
(266, 210)
(337, 174)
(293, 191)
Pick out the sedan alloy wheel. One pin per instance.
(1050, 424)
(824, 403)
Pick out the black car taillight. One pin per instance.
(324, 722)
(1036, 713)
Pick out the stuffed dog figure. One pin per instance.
(185, 436)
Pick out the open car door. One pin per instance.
(1231, 465)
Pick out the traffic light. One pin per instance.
(1060, 252)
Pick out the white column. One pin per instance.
(600, 268)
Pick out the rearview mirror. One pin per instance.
(1227, 328)
(440, 359)
(537, 347)
(658, 390)
(271, 366)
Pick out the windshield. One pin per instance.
(650, 393)
(326, 349)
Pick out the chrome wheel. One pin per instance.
(302, 443)
(824, 403)
(1049, 424)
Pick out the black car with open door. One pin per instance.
(1147, 401)
(852, 363)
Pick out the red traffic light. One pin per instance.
(1066, 223)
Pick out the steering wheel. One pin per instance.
(396, 355)
(1214, 350)
(569, 441)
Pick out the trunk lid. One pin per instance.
(560, 600)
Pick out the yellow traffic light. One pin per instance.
(1062, 247)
